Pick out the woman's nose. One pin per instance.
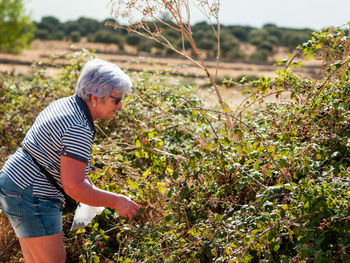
(120, 105)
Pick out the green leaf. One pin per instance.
(138, 154)
(256, 165)
(288, 187)
(238, 132)
(276, 247)
(345, 259)
(271, 148)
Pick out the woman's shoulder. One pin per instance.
(64, 107)
(63, 101)
(61, 114)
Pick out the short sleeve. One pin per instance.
(77, 143)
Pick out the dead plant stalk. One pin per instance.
(177, 19)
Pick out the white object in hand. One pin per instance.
(84, 214)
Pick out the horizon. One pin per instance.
(298, 14)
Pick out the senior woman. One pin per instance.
(60, 140)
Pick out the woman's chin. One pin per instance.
(111, 116)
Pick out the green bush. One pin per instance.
(229, 46)
(50, 24)
(16, 26)
(293, 39)
(107, 36)
(42, 34)
(88, 26)
(206, 44)
(260, 55)
(146, 45)
(59, 35)
(266, 38)
(133, 39)
(240, 32)
(75, 36)
(278, 194)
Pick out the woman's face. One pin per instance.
(108, 108)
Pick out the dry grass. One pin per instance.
(9, 246)
(134, 61)
(129, 58)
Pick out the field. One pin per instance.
(275, 188)
(132, 60)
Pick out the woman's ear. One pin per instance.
(93, 99)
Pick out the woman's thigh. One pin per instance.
(44, 249)
(29, 215)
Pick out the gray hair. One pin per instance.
(101, 78)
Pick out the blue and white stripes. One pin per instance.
(64, 128)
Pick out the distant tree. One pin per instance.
(106, 36)
(256, 36)
(172, 34)
(75, 36)
(264, 41)
(230, 47)
(88, 26)
(70, 26)
(49, 23)
(59, 35)
(240, 32)
(48, 28)
(201, 25)
(42, 34)
(145, 45)
(207, 44)
(16, 26)
(273, 30)
(293, 38)
(266, 45)
(133, 39)
(260, 55)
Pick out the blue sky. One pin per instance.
(314, 14)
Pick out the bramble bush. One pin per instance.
(279, 194)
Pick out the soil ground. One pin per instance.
(130, 59)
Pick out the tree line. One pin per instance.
(17, 30)
(266, 39)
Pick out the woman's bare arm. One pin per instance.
(75, 185)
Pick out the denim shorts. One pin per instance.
(29, 215)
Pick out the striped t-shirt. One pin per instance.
(66, 128)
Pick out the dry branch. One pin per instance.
(178, 19)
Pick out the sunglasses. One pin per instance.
(117, 100)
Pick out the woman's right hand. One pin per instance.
(125, 206)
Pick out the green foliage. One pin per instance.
(133, 39)
(50, 28)
(230, 48)
(23, 98)
(207, 44)
(106, 36)
(50, 24)
(279, 194)
(16, 27)
(266, 39)
(75, 36)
